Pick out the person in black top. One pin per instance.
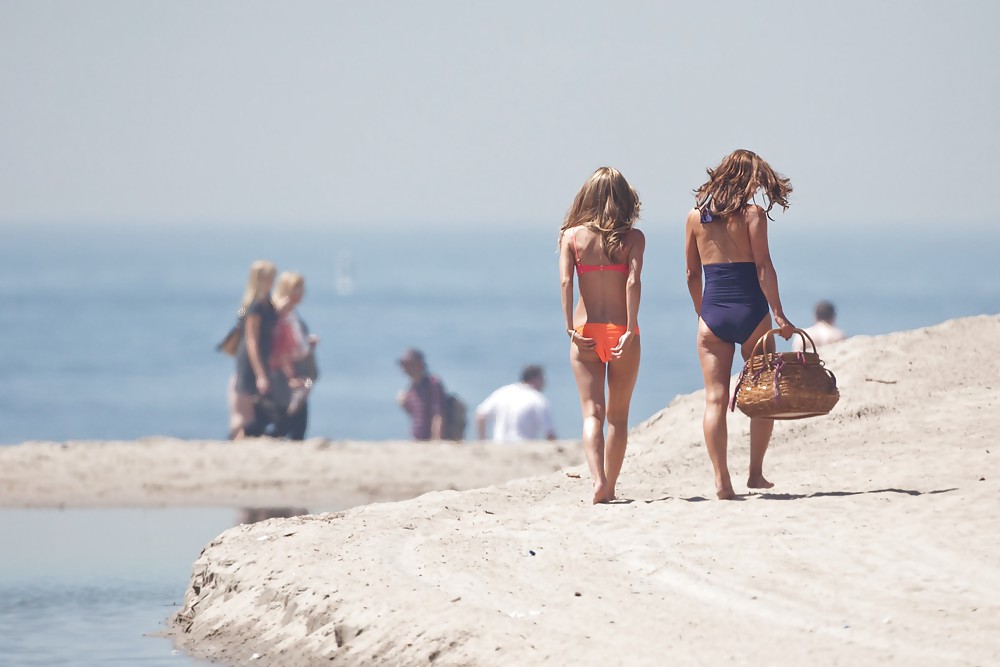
(254, 351)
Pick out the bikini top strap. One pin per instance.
(703, 208)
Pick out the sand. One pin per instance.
(317, 474)
(878, 544)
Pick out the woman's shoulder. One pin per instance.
(635, 236)
(264, 307)
(754, 213)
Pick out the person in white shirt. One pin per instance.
(518, 411)
(823, 332)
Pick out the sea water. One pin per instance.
(93, 587)
(111, 334)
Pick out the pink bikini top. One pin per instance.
(586, 268)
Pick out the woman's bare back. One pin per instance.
(602, 292)
(724, 240)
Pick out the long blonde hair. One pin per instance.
(287, 283)
(732, 185)
(261, 273)
(609, 205)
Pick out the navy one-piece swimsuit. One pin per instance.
(733, 303)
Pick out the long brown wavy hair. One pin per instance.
(607, 204)
(731, 186)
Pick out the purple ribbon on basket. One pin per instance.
(778, 365)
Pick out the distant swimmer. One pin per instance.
(518, 411)
(823, 332)
(599, 246)
(726, 235)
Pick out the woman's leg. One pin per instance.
(589, 372)
(716, 356)
(235, 421)
(622, 373)
(245, 415)
(760, 429)
(297, 422)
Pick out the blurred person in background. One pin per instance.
(518, 411)
(823, 332)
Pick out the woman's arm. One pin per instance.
(693, 258)
(757, 227)
(633, 284)
(633, 290)
(566, 279)
(253, 352)
(566, 269)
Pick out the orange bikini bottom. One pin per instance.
(605, 335)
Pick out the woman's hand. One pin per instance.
(787, 328)
(582, 342)
(618, 350)
(263, 385)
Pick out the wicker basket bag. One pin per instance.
(785, 385)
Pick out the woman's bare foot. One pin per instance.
(600, 493)
(725, 492)
(724, 487)
(758, 482)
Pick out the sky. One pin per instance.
(460, 113)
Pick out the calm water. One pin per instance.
(86, 587)
(110, 335)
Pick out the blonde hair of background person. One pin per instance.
(597, 242)
(726, 235)
(250, 379)
(259, 282)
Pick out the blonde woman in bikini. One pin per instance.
(599, 246)
(726, 235)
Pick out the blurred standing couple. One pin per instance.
(275, 358)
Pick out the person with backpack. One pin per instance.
(434, 414)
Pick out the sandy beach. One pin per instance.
(877, 545)
(316, 474)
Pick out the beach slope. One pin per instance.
(877, 545)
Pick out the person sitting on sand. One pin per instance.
(519, 411)
(726, 235)
(598, 244)
(823, 332)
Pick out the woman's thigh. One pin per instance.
(589, 372)
(762, 328)
(622, 374)
(716, 357)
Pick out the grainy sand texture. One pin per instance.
(878, 544)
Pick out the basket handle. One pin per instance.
(802, 334)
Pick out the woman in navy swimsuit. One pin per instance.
(727, 237)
